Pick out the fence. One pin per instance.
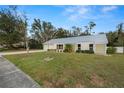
(119, 49)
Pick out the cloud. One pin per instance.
(76, 12)
(109, 8)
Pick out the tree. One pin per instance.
(101, 32)
(24, 28)
(89, 27)
(62, 33)
(76, 31)
(11, 26)
(112, 38)
(120, 34)
(34, 44)
(42, 30)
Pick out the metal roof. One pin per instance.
(97, 39)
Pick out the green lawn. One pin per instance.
(72, 69)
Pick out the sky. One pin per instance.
(105, 17)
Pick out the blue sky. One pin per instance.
(105, 17)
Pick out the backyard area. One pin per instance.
(51, 69)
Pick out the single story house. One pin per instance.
(97, 43)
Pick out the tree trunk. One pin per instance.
(27, 48)
(123, 46)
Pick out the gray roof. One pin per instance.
(97, 39)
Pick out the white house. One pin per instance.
(97, 43)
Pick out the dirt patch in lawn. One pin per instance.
(97, 80)
(47, 59)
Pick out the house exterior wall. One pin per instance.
(84, 46)
(50, 46)
(100, 49)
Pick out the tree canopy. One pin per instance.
(13, 30)
(12, 27)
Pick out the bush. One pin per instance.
(78, 51)
(34, 44)
(88, 51)
(111, 50)
(85, 51)
(68, 48)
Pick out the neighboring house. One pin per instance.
(97, 43)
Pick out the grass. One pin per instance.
(15, 50)
(72, 69)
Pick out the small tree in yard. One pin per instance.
(69, 48)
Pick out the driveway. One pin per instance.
(12, 77)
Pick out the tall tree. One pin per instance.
(112, 38)
(43, 31)
(62, 33)
(11, 28)
(89, 27)
(76, 31)
(121, 34)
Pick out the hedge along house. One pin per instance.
(96, 43)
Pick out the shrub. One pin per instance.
(68, 48)
(34, 44)
(78, 51)
(111, 50)
(85, 51)
(89, 51)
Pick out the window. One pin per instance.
(60, 46)
(79, 46)
(91, 47)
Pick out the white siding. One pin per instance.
(50, 46)
(100, 49)
(119, 49)
(45, 47)
(84, 46)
